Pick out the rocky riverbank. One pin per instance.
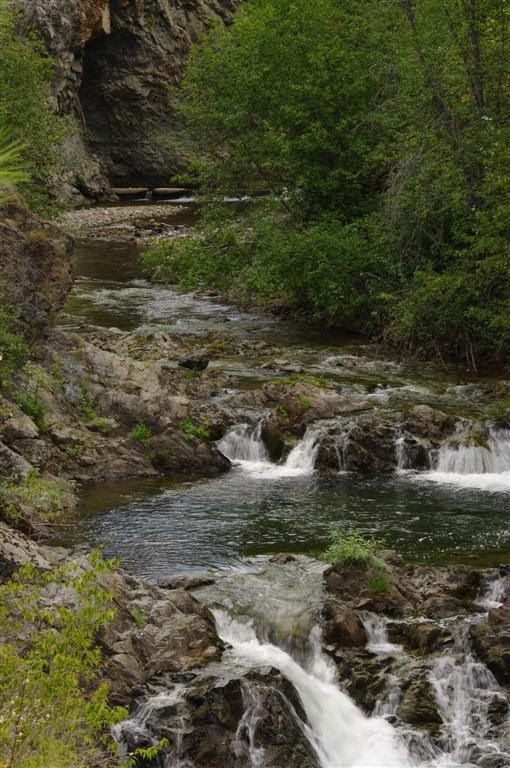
(433, 645)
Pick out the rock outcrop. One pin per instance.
(35, 264)
(115, 61)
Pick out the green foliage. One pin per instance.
(52, 711)
(304, 403)
(351, 547)
(31, 403)
(139, 617)
(32, 500)
(141, 433)
(380, 582)
(13, 349)
(12, 171)
(86, 407)
(190, 429)
(382, 131)
(25, 73)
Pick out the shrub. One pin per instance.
(351, 547)
(33, 500)
(52, 710)
(31, 403)
(190, 429)
(13, 349)
(25, 74)
(86, 407)
(141, 433)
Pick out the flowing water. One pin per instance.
(266, 615)
(456, 511)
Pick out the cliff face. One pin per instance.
(115, 61)
(35, 265)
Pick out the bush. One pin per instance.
(31, 403)
(13, 349)
(25, 74)
(190, 429)
(351, 547)
(141, 433)
(33, 501)
(52, 711)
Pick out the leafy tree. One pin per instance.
(25, 73)
(52, 711)
(382, 131)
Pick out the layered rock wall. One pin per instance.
(115, 62)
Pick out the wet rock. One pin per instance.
(282, 559)
(188, 582)
(442, 606)
(428, 422)
(194, 363)
(492, 645)
(426, 637)
(418, 704)
(342, 627)
(223, 721)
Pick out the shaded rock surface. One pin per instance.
(35, 263)
(115, 60)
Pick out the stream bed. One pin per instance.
(276, 696)
(160, 527)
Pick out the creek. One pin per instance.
(455, 511)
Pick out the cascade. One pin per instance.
(376, 627)
(472, 463)
(338, 732)
(401, 453)
(244, 443)
(343, 735)
(491, 457)
(244, 446)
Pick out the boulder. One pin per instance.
(342, 627)
(492, 646)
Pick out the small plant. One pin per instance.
(190, 374)
(305, 403)
(282, 411)
(87, 408)
(381, 581)
(141, 433)
(139, 617)
(31, 403)
(190, 429)
(33, 500)
(351, 547)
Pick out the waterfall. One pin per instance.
(244, 446)
(342, 734)
(376, 627)
(490, 457)
(464, 689)
(401, 456)
(245, 735)
(302, 458)
(137, 728)
(267, 595)
(244, 443)
(472, 462)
